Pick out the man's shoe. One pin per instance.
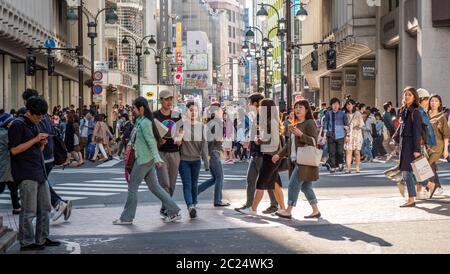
(270, 210)
(120, 222)
(49, 242)
(238, 209)
(192, 212)
(32, 247)
(59, 211)
(163, 213)
(222, 205)
(439, 192)
(171, 219)
(332, 171)
(68, 210)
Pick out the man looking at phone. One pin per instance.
(28, 169)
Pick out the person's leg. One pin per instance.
(28, 194)
(293, 191)
(332, 146)
(137, 175)
(408, 176)
(259, 194)
(278, 193)
(195, 173)
(252, 176)
(217, 171)
(55, 198)
(340, 151)
(102, 149)
(358, 160)
(435, 179)
(163, 173)
(174, 164)
(185, 174)
(307, 189)
(43, 213)
(13, 192)
(168, 204)
(348, 160)
(97, 150)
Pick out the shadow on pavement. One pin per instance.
(443, 206)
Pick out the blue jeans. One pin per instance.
(294, 189)
(411, 182)
(367, 150)
(215, 166)
(189, 173)
(146, 172)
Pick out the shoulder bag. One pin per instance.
(309, 155)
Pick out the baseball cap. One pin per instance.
(5, 119)
(423, 93)
(164, 94)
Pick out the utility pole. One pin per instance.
(288, 53)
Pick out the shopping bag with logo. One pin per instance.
(422, 169)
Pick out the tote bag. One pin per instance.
(422, 169)
(309, 155)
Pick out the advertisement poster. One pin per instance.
(197, 62)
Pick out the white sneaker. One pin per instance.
(171, 219)
(422, 195)
(59, 211)
(439, 192)
(119, 222)
(248, 211)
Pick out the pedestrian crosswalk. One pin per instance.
(104, 186)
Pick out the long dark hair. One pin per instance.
(269, 104)
(350, 101)
(440, 108)
(416, 102)
(309, 115)
(142, 102)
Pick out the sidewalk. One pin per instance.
(98, 221)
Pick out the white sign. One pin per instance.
(98, 98)
(101, 66)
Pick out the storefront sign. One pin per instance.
(350, 78)
(368, 70)
(336, 82)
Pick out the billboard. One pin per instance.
(197, 62)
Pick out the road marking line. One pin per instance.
(86, 193)
(110, 163)
(90, 189)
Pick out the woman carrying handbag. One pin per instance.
(144, 160)
(303, 139)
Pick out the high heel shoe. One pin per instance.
(408, 205)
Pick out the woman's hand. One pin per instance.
(446, 153)
(347, 139)
(297, 132)
(275, 158)
(159, 164)
(417, 154)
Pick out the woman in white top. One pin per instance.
(354, 139)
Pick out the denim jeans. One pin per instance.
(215, 166)
(367, 150)
(55, 199)
(35, 204)
(294, 189)
(146, 172)
(411, 181)
(189, 173)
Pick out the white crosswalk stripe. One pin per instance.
(107, 187)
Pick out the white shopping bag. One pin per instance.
(422, 169)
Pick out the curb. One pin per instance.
(7, 240)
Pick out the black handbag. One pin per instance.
(283, 163)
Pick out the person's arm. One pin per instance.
(205, 153)
(325, 126)
(149, 137)
(309, 136)
(17, 148)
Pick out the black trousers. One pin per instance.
(13, 191)
(336, 151)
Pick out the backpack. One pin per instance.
(60, 152)
(428, 136)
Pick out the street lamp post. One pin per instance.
(262, 14)
(111, 18)
(138, 51)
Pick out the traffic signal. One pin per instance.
(331, 57)
(315, 60)
(31, 65)
(178, 79)
(51, 65)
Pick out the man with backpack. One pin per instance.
(62, 207)
(27, 145)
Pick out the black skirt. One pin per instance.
(268, 174)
